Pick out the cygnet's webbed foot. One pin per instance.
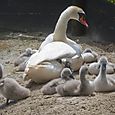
(8, 102)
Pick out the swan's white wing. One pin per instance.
(51, 51)
(75, 46)
(48, 39)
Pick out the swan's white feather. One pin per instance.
(51, 51)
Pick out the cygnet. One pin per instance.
(49, 88)
(83, 87)
(12, 90)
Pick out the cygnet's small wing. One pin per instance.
(88, 57)
(70, 88)
(51, 51)
(22, 66)
(49, 88)
(111, 79)
(112, 83)
(93, 68)
(71, 85)
(20, 60)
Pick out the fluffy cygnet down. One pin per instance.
(89, 56)
(103, 82)
(94, 67)
(21, 67)
(49, 88)
(21, 61)
(83, 87)
(24, 56)
(12, 90)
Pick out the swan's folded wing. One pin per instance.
(51, 51)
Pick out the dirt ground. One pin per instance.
(39, 104)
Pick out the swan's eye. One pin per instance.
(82, 19)
(81, 15)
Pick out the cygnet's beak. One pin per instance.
(98, 66)
(71, 76)
(104, 66)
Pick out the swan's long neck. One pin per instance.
(61, 27)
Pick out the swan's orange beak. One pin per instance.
(83, 21)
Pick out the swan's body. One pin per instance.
(103, 82)
(43, 68)
(94, 67)
(89, 56)
(75, 87)
(43, 72)
(51, 51)
(50, 87)
(55, 46)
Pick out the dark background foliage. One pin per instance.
(41, 15)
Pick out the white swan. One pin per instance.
(76, 87)
(59, 34)
(56, 46)
(45, 67)
(103, 82)
(50, 87)
(94, 67)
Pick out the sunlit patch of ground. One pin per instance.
(4, 45)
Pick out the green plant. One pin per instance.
(111, 1)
